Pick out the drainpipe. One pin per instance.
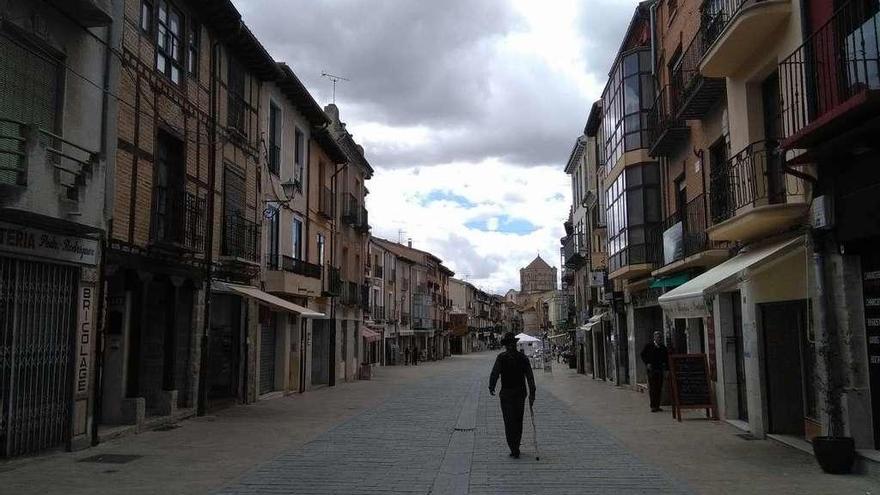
(653, 15)
(202, 402)
(107, 216)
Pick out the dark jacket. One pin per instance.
(655, 357)
(515, 370)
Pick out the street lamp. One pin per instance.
(289, 188)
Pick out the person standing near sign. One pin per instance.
(656, 358)
(515, 371)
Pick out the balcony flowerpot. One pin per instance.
(835, 455)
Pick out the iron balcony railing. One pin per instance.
(240, 237)
(325, 202)
(276, 261)
(351, 210)
(572, 255)
(751, 177)
(332, 283)
(179, 219)
(716, 16)
(351, 295)
(363, 224)
(378, 271)
(665, 129)
(377, 313)
(696, 94)
(692, 221)
(838, 61)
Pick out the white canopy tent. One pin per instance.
(528, 345)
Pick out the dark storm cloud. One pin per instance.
(410, 62)
(432, 64)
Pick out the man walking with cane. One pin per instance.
(514, 369)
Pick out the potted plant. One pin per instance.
(835, 452)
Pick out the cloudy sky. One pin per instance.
(467, 110)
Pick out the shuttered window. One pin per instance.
(30, 93)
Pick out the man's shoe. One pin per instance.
(655, 409)
(516, 455)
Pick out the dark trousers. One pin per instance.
(655, 388)
(512, 408)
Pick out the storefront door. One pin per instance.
(224, 347)
(783, 327)
(37, 322)
(268, 329)
(321, 352)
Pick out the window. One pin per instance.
(192, 60)
(169, 51)
(627, 101)
(167, 189)
(633, 216)
(274, 138)
(235, 96)
(146, 17)
(320, 244)
(297, 238)
(299, 157)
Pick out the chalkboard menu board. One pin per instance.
(691, 388)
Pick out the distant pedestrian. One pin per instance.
(655, 356)
(515, 371)
(406, 356)
(415, 356)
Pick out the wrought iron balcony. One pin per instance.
(717, 14)
(378, 271)
(332, 284)
(696, 94)
(666, 131)
(179, 219)
(752, 177)
(363, 224)
(832, 81)
(276, 261)
(325, 202)
(12, 152)
(351, 210)
(240, 237)
(377, 313)
(572, 252)
(351, 294)
(684, 232)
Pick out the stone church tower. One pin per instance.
(537, 277)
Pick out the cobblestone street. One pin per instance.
(432, 429)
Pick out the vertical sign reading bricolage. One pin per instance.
(83, 347)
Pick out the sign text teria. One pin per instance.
(36, 242)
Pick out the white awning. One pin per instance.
(689, 300)
(265, 298)
(595, 319)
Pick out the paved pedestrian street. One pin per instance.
(435, 429)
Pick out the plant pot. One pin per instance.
(835, 455)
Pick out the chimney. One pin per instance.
(409, 242)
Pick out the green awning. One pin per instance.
(668, 282)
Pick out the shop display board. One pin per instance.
(690, 384)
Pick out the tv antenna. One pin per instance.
(335, 80)
(400, 233)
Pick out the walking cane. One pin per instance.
(534, 432)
